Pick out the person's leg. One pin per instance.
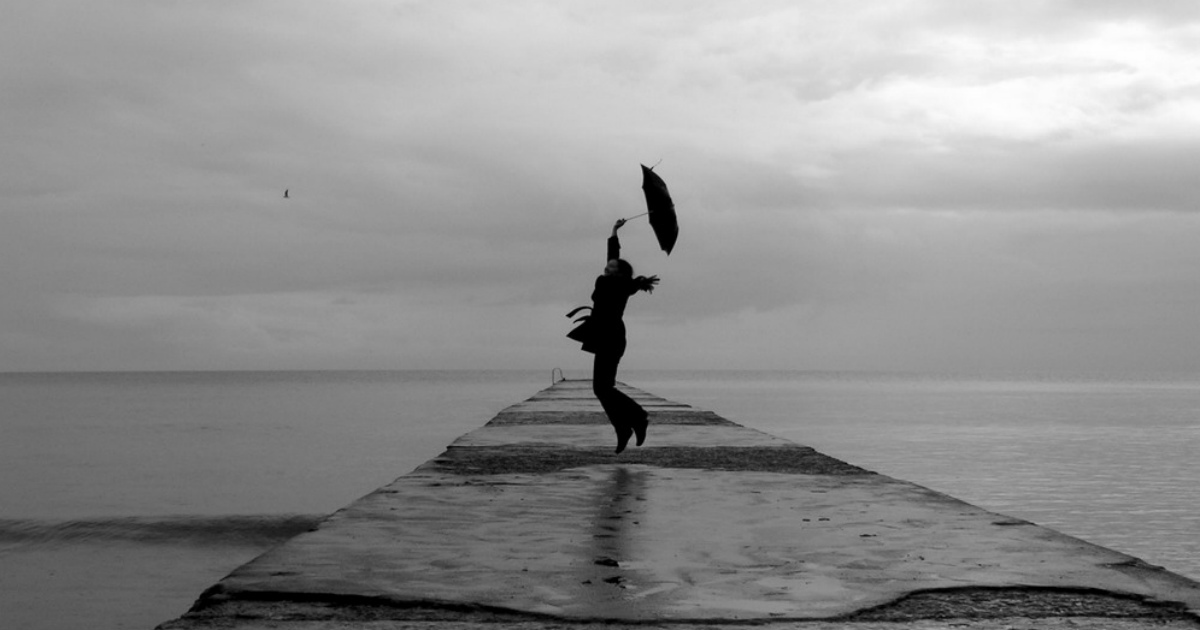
(630, 415)
(604, 385)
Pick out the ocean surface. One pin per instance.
(124, 495)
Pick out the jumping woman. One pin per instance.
(606, 338)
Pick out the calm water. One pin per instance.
(122, 496)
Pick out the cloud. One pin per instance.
(858, 185)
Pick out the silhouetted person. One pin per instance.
(606, 338)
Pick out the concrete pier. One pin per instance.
(531, 521)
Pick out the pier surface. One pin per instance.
(532, 522)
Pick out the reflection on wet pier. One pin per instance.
(617, 514)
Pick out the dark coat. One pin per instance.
(604, 330)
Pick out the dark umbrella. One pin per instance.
(661, 209)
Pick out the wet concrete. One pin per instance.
(532, 521)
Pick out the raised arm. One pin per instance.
(614, 243)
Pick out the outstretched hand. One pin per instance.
(647, 284)
(617, 225)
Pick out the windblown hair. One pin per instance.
(641, 282)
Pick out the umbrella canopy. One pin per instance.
(661, 209)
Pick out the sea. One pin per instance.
(124, 495)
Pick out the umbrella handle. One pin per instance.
(636, 216)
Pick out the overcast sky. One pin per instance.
(905, 185)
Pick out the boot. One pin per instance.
(623, 435)
(639, 427)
